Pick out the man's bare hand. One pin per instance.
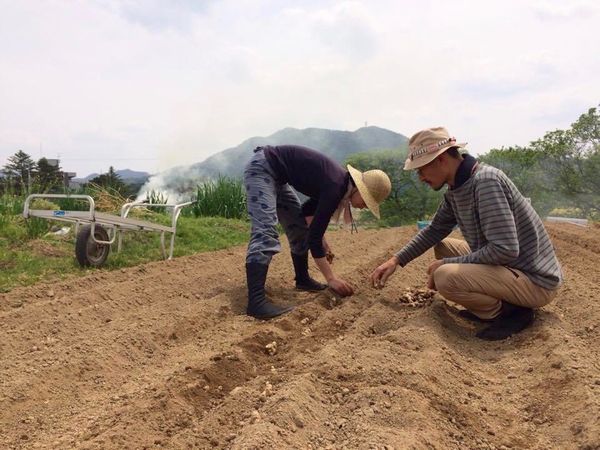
(382, 273)
(341, 287)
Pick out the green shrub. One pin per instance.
(37, 227)
(224, 197)
(11, 205)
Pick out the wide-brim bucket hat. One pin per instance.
(426, 145)
(374, 187)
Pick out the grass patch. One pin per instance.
(223, 197)
(25, 261)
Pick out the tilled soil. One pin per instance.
(162, 356)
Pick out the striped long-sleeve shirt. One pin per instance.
(500, 226)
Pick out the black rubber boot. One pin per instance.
(303, 280)
(259, 306)
(511, 320)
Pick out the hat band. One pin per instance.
(417, 152)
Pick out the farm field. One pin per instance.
(161, 355)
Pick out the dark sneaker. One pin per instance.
(512, 320)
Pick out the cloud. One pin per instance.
(558, 11)
(170, 83)
(157, 15)
(498, 82)
(490, 89)
(347, 28)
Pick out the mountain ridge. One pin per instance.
(126, 175)
(337, 144)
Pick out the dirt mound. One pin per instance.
(162, 356)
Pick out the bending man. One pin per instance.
(269, 178)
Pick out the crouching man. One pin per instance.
(507, 266)
(332, 190)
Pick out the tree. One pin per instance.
(571, 159)
(110, 180)
(558, 170)
(523, 166)
(20, 169)
(48, 176)
(409, 199)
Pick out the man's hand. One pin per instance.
(381, 274)
(340, 287)
(430, 270)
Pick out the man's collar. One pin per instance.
(464, 171)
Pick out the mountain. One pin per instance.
(180, 181)
(334, 143)
(127, 175)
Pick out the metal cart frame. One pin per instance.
(115, 225)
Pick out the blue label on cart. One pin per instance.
(59, 213)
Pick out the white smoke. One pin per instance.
(177, 185)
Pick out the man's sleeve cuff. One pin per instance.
(401, 261)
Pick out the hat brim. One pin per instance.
(412, 164)
(364, 192)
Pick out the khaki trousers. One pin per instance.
(481, 287)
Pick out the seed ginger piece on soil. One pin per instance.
(271, 348)
(333, 301)
(417, 297)
(268, 390)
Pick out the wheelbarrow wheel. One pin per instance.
(89, 252)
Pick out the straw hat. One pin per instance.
(374, 187)
(427, 145)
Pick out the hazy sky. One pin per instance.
(149, 84)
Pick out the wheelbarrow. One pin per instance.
(97, 231)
